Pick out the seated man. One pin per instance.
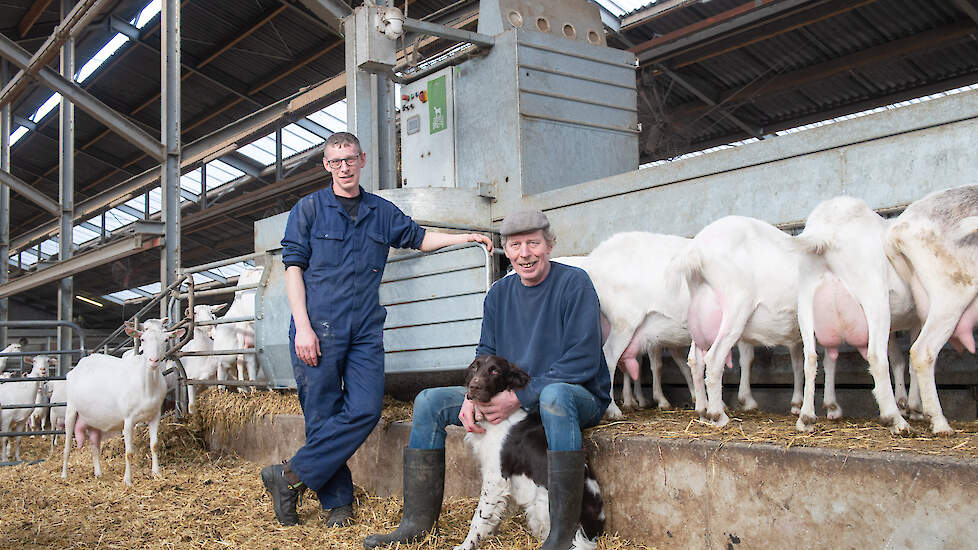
(546, 321)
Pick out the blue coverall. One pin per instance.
(343, 262)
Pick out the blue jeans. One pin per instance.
(564, 409)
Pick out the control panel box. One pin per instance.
(428, 131)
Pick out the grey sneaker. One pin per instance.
(285, 496)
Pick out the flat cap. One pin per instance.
(523, 221)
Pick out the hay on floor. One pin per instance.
(755, 427)
(203, 501)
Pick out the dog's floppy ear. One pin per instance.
(517, 378)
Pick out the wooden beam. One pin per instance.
(765, 31)
(31, 17)
(241, 35)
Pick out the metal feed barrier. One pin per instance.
(82, 351)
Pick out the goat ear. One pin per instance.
(29, 360)
(130, 330)
(517, 378)
(222, 307)
(164, 321)
(178, 333)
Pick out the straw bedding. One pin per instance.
(203, 501)
(206, 501)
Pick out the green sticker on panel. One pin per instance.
(437, 105)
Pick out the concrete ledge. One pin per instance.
(705, 494)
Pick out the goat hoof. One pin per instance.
(803, 427)
(664, 405)
(795, 408)
(832, 411)
(747, 404)
(941, 427)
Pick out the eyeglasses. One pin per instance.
(337, 163)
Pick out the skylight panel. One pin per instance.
(221, 173)
(338, 111)
(17, 134)
(152, 288)
(100, 57)
(46, 108)
(149, 12)
(81, 234)
(155, 200)
(327, 121)
(123, 295)
(259, 150)
(191, 181)
(308, 139)
(49, 247)
(116, 218)
(139, 203)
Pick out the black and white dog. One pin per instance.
(513, 459)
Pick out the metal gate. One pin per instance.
(434, 311)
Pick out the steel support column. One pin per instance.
(369, 104)
(170, 116)
(66, 177)
(4, 202)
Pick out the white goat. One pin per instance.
(200, 367)
(640, 310)
(111, 393)
(934, 247)
(743, 282)
(240, 335)
(20, 393)
(12, 348)
(850, 293)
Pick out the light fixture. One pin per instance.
(89, 301)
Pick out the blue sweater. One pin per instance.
(551, 330)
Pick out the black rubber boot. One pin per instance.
(424, 486)
(341, 516)
(285, 494)
(565, 471)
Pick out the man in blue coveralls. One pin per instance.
(547, 321)
(335, 249)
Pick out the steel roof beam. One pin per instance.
(86, 260)
(126, 209)
(313, 127)
(74, 22)
(710, 97)
(710, 27)
(30, 193)
(330, 12)
(193, 153)
(244, 163)
(86, 101)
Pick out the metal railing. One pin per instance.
(82, 351)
